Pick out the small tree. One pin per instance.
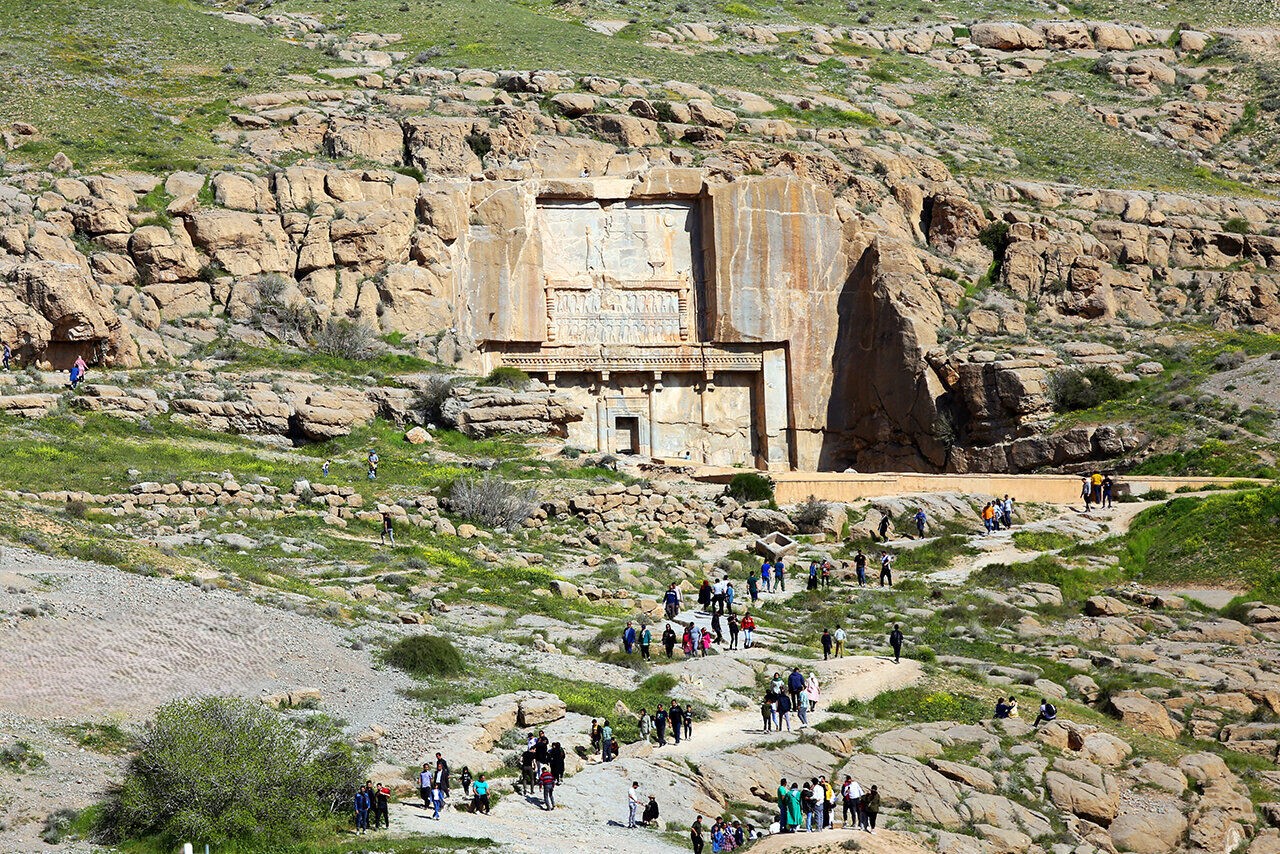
(750, 486)
(229, 771)
(810, 513)
(491, 501)
(346, 339)
(431, 397)
(425, 655)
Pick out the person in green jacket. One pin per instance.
(646, 638)
(782, 805)
(794, 815)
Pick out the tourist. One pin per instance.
(1048, 712)
(424, 785)
(695, 835)
(729, 594)
(920, 518)
(1095, 482)
(382, 806)
(606, 742)
(767, 711)
(753, 588)
(766, 574)
(529, 770)
(1002, 709)
(807, 806)
(886, 569)
(324, 469)
(615, 750)
(1013, 707)
(783, 794)
(650, 816)
(839, 638)
(363, 802)
(860, 567)
(780, 575)
(465, 778)
(687, 644)
(989, 517)
(548, 780)
(734, 628)
(704, 643)
(715, 627)
(884, 525)
(1108, 487)
(775, 684)
(439, 791)
(793, 807)
(828, 803)
(827, 643)
(688, 721)
(870, 809)
(373, 464)
(595, 735)
(1006, 512)
(1086, 493)
(660, 725)
(748, 631)
(851, 795)
(676, 717)
(542, 749)
(629, 638)
(895, 641)
(811, 688)
(644, 725)
(646, 640)
(388, 533)
(795, 684)
(826, 573)
(812, 584)
(719, 592)
(784, 711)
(669, 640)
(555, 758)
(634, 801)
(671, 603)
(8, 354)
(704, 597)
(480, 802)
(801, 707)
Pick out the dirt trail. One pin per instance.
(592, 803)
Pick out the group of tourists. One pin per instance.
(725, 835)
(433, 786)
(997, 514)
(796, 694)
(675, 719)
(1097, 490)
(542, 769)
(375, 800)
(811, 806)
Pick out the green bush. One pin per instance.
(425, 655)
(1075, 390)
(507, 377)
(20, 756)
(918, 705)
(1236, 225)
(230, 772)
(750, 486)
(1041, 541)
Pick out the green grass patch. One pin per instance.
(918, 705)
(1041, 541)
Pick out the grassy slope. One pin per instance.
(134, 83)
(1231, 540)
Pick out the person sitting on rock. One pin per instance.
(650, 816)
(1002, 708)
(1048, 712)
(1013, 707)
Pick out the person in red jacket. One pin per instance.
(748, 630)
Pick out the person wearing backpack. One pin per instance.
(795, 684)
(870, 809)
(1048, 712)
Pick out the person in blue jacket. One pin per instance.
(363, 802)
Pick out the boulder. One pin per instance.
(1082, 788)
(539, 708)
(1005, 35)
(417, 436)
(760, 520)
(1150, 831)
(1144, 714)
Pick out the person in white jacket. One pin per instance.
(634, 803)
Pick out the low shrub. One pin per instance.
(750, 486)
(425, 655)
(230, 772)
(491, 501)
(431, 397)
(1073, 390)
(507, 377)
(810, 513)
(346, 339)
(19, 756)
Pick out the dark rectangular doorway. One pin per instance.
(626, 434)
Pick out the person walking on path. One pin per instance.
(704, 642)
(687, 643)
(748, 631)
(629, 638)
(826, 574)
(696, 835)
(766, 575)
(766, 712)
(606, 742)
(548, 780)
(671, 602)
(784, 711)
(884, 526)
(424, 785)
(851, 795)
(795, 684)
(646, 640)
(734, 628)
(839, 636)
(886, 569)
(828, 642)
(644, 725)
(870, 809)
(669, 640)
(895, 641)
(676, 717)
(813, 576)
(388, 533)
(811, 688)
(920, 518)
(860, 567)
(688, 721)
(362, 810)
(480, 800)
(634, 802)
(716, 628)
(704, 597)
(660, 725)
(1108, 486)
(753, 588)
(1006, 512)
(780, 576)
(1086, 493)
